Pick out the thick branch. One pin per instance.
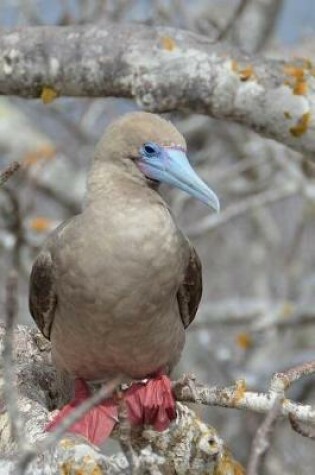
(261, 441)
(238, 397)
(35, 377)
(35, 382)
(163, 69)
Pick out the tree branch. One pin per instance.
(238, 397)
(261, 441)
(162, 69)
(188, 444)
(35, 379)
(8, 172)
(10, 399)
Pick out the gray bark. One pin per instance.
(163, 69)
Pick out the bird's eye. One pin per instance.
(150, 149)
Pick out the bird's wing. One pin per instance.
(189, 293)
(42, 296)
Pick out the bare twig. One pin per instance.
(261, 441)
(8, 172)
(282, 381)
(257, 314)
(125, 436)
(265, 198)
(257, 23)
(9, 389)
(15, 225)
(303, 431)
(238, 12)
(52, 439)
(238, 397)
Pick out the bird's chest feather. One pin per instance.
(117, 287)
(124, 256)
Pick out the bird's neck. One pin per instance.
(108, 184)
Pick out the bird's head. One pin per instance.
(150, 147)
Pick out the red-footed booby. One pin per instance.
(115, 287)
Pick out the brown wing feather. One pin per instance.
(189, 293)
(42, 294)
(42, 297)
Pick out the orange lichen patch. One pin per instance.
(300, 88)
(91, 466)
(65, 468)
(301, 126)
(42, 153)
(244, 73)
(48, 94)
(97, 470)
(227, 465)
(71, 467)
(240, 389)
(244, 340)
(295, 72)
(287, 115)
(168, 43)
(297, 80)
(40, 224)
(247, 73)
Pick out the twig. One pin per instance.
(282, 381)
(237, 397)
(227, 28)
(9, 389)
(125, 437)
(243, 207)
(104, 392)
(303, 431)
(15, 225)
(261, 441)
(257, 314)
(8, 172)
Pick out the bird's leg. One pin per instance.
(151, 403)
(96, 424)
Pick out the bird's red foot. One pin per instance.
(151, 403)
(97, 424)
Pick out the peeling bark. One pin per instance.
(163, 69)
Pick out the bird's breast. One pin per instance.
(118, 282)
(126, 250)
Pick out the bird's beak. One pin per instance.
(175, 170)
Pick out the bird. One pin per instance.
(115, 287)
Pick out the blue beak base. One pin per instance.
(173, 168)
